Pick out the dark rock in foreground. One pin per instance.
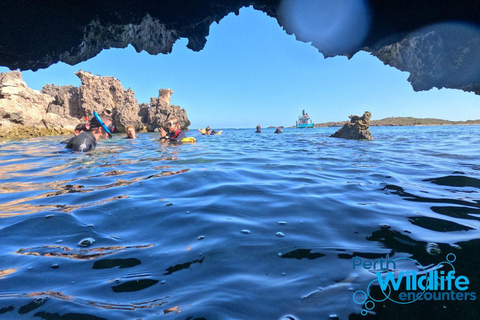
(356, 129)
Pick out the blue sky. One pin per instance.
(252, 72)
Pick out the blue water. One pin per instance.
(237, 226)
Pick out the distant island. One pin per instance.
(404, 121)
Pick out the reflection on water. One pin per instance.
(115, 233)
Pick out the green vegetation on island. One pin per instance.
(404, 121)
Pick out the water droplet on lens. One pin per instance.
(279, 254)
(280, 234)
(187, 212)
(163, 282)
(86, 242)
(55, 266)
(284, 274)
(433, 248)
(282, 223)
(48, 216)
(201, 238)
(245, 231)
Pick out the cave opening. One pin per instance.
(251, 71)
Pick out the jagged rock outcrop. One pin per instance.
(66, 102)
(74, 31)
(24, 111)
(58, 109)
(106, 95)
(356, 129)
(160, 110)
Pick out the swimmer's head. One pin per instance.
(173, 125)
(79, 129)
(101, 125)
(130, 130)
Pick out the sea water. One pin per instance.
(237, 226)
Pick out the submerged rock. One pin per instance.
(357, 128)
(25, 112)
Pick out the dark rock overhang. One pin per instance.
(411, 35)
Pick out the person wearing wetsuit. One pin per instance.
(87, 140)
(279, 130)
(79, 128)
(174, 134)
(259, 129)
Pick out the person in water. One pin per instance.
(279, 130)
(259, 129)
(174, 134)
(79, 128)
(99, 128)
(207, 131)
(130, 131)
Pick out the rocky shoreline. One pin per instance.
(403, 122)
(55, 110)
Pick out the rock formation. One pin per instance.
(106, 95)
(57, 109)
(75, 31)
(24, 111)
(160, 110)
(357, 128)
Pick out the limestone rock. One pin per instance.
(106, 95)
(58, 109)
(20, 106)
(160, 110)
(357, 128)
(37, 38)
(66, 101)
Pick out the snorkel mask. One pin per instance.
(108, 129)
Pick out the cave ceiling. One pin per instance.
(437, 42)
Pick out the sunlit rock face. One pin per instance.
(159, 111)
(433, 40)
(25, 112)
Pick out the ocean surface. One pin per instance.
(237, 226)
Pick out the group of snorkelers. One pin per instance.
(86, 135)
(259, 129)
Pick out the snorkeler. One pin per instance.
(279, 130)
(259, 129)
(174, 134)
(207, 131)
(97, 129)
(130, 131)
(79, 128)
